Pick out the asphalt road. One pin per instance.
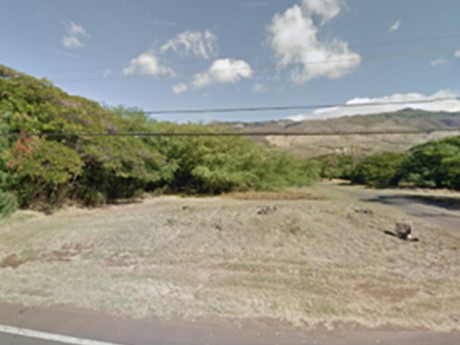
(84, 328)
(441, 211)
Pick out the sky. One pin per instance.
(190, 54)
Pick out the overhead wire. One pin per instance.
(296, 107)
(228, 134)
(260, 132)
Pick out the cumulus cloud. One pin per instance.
(446, 101)
(438, 62)
(179, 88)
(394, 27)
(200, 44)
(457, 53)
(223, 71)
(75, 36)
(147, 64)
(294, 38)
(326, 9)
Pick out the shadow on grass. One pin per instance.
(393, 234)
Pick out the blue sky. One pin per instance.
(174, 54)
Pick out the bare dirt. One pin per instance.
(318, 258)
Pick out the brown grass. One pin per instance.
(307, 262)
(279, 195)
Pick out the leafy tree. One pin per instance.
(379, 170)
(434, 164)
(335, 165)
(66, 147)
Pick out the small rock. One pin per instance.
(266, 210)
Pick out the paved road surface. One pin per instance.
(94, 329)
(431, 208)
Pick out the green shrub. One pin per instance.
(379, 170)
(434, 164)
(44, 171)
(335, 165)
(98, 168)
(8, 204)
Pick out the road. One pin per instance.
(443, 211)
(83, 328)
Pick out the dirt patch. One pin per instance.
(386, 293)
(63, 254)
(12, 261)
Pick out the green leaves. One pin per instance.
(379, 170)
(431, 165)
(8, 204)
(435, 164)
(96, 169)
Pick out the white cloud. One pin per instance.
(223, 71)
(447, 102)
(457, 54)
(294, 38)
(200, 44)
(394, 27)
(74, 37)
(179, 88)
(438, 62)
(326, 9)
(147, 64)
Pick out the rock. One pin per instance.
(266, 210)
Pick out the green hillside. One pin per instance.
(47, 156)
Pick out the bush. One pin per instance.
(379, 170)
(8, 204)
(44, 170)
(208, 164)
(434, 164)
(96, 169)
(335, 166)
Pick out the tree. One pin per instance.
(379, 170)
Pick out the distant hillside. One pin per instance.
(404, 120)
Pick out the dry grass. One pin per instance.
(307, 262)
(278, 195)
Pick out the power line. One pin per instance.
(229, 134)
(295, 107)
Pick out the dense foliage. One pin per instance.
(432, 165)
(69, 164)
(435, 164)
(335, 165)
(379, 170)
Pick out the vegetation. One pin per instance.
(335, 165)
(432, 165)
(48, 156)
(379, 170)
(435, 164)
